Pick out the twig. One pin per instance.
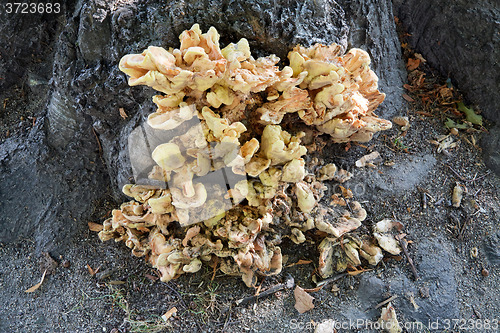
(483, 176)
(456, 173)
(332, 279)
(97, 138)
(404, 244)
(390, 299)
(424, 199)
(228, 318)
(287, 285)
(473, 180)
(462, 229)
(477, 313)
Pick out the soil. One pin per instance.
(72, 300)
(455, 251)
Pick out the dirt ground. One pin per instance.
(455, 251)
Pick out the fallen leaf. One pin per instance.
(313, 290)
(152, 277)
(408, 87)
(452, 124)
(446, 143)
(408, 98)
(404, 122)
(446, 93)
(36, 286)
(91, 271)
(303, 301)
(122, 113)
(358, 271)
(419, 56)
(457, 195)
(427, 114)
(169, 314)
(370, 158)
(471, 116)
(412, 64)
(47, 263)
(300, 262)
(95, 226)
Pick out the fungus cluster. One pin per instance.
(237, 114)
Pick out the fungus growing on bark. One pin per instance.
(236, 175)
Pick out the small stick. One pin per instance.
(390, 299)
(468, 179)
(228, 318)
(403, 244)
(424, 199)
(456, 173)
(462, 229)
(287, 285)
(478, 315)
(332, 279)
(486, 174)
(98, 142)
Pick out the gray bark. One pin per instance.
(56, 176)
(462, 39)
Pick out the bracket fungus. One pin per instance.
(237, 181)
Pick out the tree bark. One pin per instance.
(59, 175)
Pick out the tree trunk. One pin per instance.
(59, 174)
(462, 40)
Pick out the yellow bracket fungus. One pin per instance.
(244, 109)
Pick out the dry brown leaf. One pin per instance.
(36, 286)
(313, 290)
(408, 98)
(408, 87)
(95, 226)
(427, 114)
(413, 64)
(169, 314)
(300, 262)
(152, 277)
(122, 113)
(91, 271)
(303, 301)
